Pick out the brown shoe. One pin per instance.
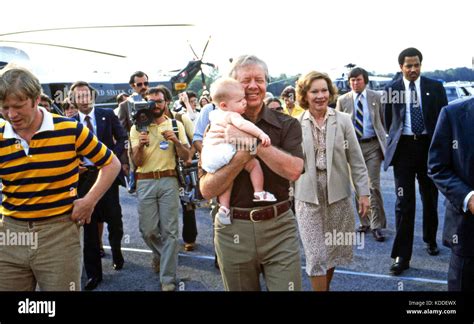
(378, 236)
(155, 264)
(189, 246)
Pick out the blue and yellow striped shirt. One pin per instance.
(40, 180)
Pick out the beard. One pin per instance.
(158, 114)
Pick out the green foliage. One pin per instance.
(458, 74)
(196, 83)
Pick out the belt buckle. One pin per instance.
(415, 137)
(156, 175)
(251, 216)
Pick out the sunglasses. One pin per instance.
(140, 84)
(278, 108)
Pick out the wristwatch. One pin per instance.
(253, 147)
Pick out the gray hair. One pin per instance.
(246, 60)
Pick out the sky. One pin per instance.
(293, 37)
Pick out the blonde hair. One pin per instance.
(222, 89)
(20, 82)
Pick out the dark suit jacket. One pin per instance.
(451, 166)
(433, 98)
(124, 116)
(111, 133)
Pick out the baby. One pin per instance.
(229, 97)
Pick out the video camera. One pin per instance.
(189, 183)
(141, 112)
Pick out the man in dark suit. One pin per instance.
(412, 106)
(451, 166)
(106, 126)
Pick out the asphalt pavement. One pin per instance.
(369, 270)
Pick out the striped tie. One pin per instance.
(87, 119)
(359, 117)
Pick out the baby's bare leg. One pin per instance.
(223, 213)
(224, 198)
(256, 174)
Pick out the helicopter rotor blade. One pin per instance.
(64, 46)
(94, 27)
(192, 49)
(210, 64)
(205, 47)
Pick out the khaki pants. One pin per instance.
(373, 157)
(47, 253)
(158, 213)
(245, 249)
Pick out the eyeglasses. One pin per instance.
(278, 108)
(140, 84)
(159, 101)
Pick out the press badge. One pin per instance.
(164, 145)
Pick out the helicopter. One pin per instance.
(181, 81)
(57, 87)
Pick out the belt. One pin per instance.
(366, 140)
(260, 214)
(416, 137)
(156, 174)
(52, 219)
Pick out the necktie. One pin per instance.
(359, 117)
(417, 124)
(89, 124)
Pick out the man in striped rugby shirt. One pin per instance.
(39, 170)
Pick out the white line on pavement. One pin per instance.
(376, 275)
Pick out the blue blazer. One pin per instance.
(111, 133)
(433, 98)
(451, 166)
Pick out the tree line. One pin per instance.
(277, 83)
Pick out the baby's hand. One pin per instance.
(265, 140)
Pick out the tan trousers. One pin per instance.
(47, 253)
(158, 214)
(271, 247)
(373, 159)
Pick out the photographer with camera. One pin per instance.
(188, 104)
(188, 188)
(139, 83)
(154, 144)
